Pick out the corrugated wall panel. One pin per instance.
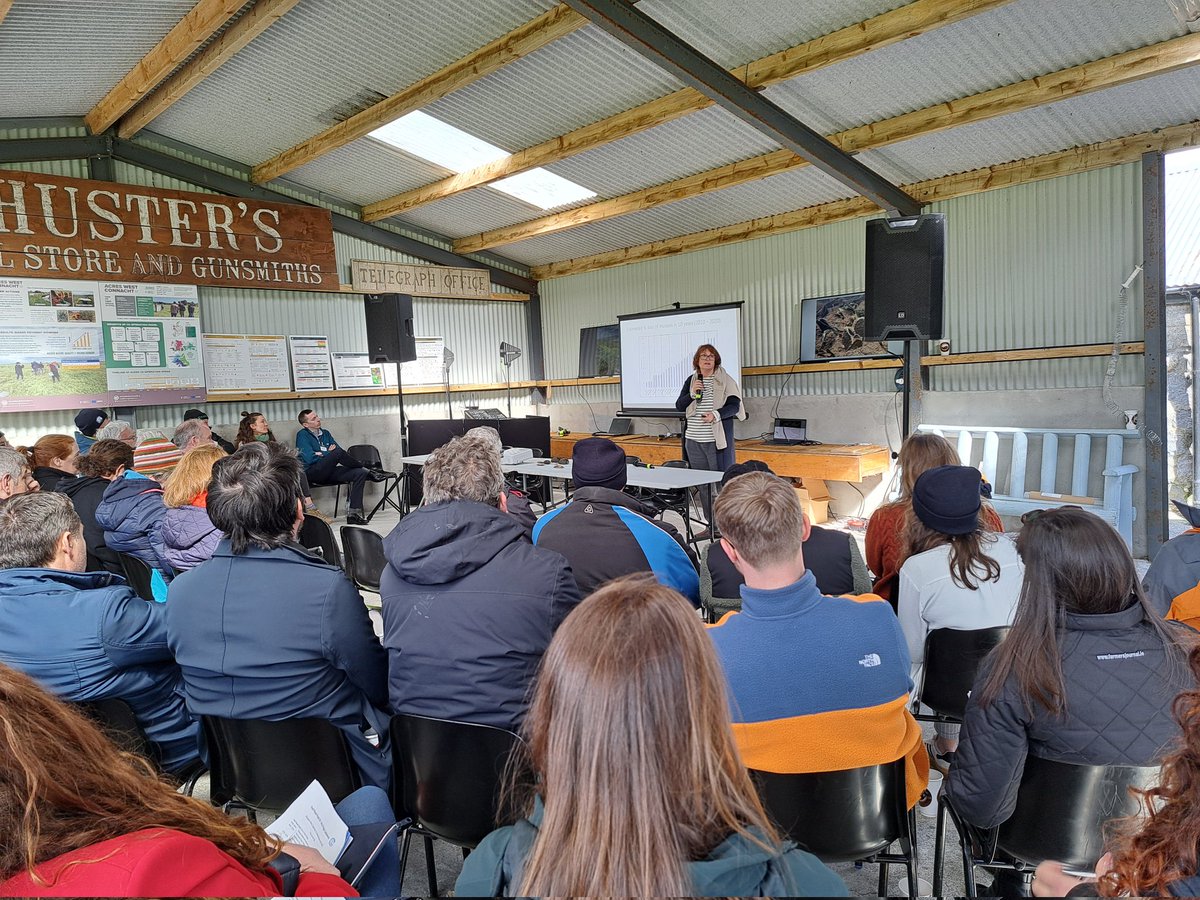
(1030, 266)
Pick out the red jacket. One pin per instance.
(158, 862)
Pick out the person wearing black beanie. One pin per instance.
(87, 423)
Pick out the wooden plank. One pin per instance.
(845, 43)
(495, 295)
(1113, 71)
(241, 397)
(993, 356)
(5, 6)
(828, 462)
(1023, 171)
(250, 25)
(203, 21)
(521, 41)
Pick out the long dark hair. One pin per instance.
(967, 554)
(245, 434)
(629, 736)
(1075, 562)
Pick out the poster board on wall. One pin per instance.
(246, 363)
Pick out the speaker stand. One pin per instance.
(446, 384)
(508, 384)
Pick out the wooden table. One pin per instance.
(829, 462)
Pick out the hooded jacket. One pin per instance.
(49, 478)
(130, 513)
(469, 606)
(737, 867)
(188, 536)
(87, 636)
(85, 494)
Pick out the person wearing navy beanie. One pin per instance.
(88, 422)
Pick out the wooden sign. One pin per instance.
(371, 277)
(53, 227)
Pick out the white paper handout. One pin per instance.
(312, 821)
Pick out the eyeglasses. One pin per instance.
(1027, 517)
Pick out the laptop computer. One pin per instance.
(789, 432)
(617, 428)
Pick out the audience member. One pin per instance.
(516, 500)
(469, 605)
(87, 423)
(817, 683)
(192, 433)
(130, 513)
(84, 819)
(53, 459)
(832, 556)
(153, 455)
(118, 430)
(266, 630)
(225, 445)
(4, 441)
(956, 575)
(107, 460)
(327, 463)
(188, 535)
(15, 475)
(1086, 675)
(637, 789)
(885, 541)
(254, 427)
(85, 635)
(604, 533)
(1173, 580)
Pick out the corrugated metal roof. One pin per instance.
(1183, 219)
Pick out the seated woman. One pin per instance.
(885, 540)
(254, 427)
(639, 788)
(188, 535)
(53, 459)
(1086, 675)
(956, 576)
(105, 461)
(83, 818)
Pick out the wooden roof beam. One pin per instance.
(521, 41)
(837, 46)
(5, 6)
(204, 20)
(254, 22)
(1023, 171)
(1113, 71)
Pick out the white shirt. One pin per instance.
(930, 598)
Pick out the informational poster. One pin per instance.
(311, 366)
(427, 368)
(355, 371)
(246, 363)
(65, 343)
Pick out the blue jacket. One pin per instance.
(130, 513)
(188, 536)
(83, 442)
(469, 606)
(313, 447)
(605, 534)
(278, 634)
(87, 636)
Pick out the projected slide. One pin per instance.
(657, 349)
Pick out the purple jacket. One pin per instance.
(188, 536)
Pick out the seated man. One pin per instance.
(15, 475)
(832, 556)
(86, 635)
(327, 463)
(118, 430)
(200, 414)
(192, 433)
(604, 533)
(817, 683)
(266, 630)
(469, 605)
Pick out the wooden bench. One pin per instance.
(1113, 485)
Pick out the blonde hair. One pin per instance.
(760, 515)
(191, 475)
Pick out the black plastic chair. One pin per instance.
(848, 816)
(678, 500)
(260, 765)
(365, 561)
(952, 660)
(316, 536)
(116, 719)
(446, 777)
(368, 455)
(139, 575)
(1061, 813)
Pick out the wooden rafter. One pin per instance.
(254, 22)
(521, 41)
(862, 37)
(1111, 72)
(203, 21)
(5, 6)
(1038, 168)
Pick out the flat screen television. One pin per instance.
(599, 351)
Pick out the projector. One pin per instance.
(514, 456)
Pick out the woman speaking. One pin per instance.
(710, 400)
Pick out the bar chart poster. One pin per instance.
(312, 369)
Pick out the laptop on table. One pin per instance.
(617, 428)
(789, 432)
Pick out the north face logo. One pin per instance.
(870, 661)
(588, 509)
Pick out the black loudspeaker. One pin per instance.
(390, 336)
(906, 271)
